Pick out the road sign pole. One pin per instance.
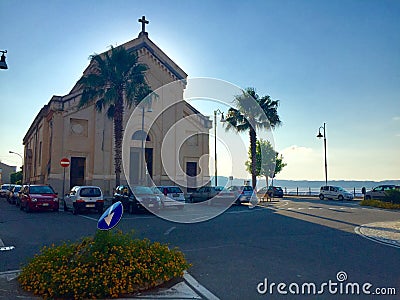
(61, 206)
(64, 164)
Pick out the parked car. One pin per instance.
(217, 194)
(334, 192)
(82, 198)
(167, 201)
(379, 192)
(269, 192)
(4, 189)
(243, 194)
(137, 199)
(13, 195)
(38, 197)
(173, 192)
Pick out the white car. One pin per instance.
(84, 198)
(172, 196)
(334, 192)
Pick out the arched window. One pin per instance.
(139, 135)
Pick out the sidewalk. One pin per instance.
(382, 232)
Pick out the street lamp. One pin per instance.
(143, 138)
(3, 64)
(12, 152)
(326, 163)
(215, 141)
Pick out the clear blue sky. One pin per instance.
(326, 61)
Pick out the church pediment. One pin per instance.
(143, 46)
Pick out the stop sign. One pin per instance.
(64, 162)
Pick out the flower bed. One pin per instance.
(109, 264)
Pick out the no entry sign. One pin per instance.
(64, 162)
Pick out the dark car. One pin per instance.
(142, 198)
(216, 194)
(38, 197)
(12, 197)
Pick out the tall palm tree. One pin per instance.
(253, 112)
(115, 79)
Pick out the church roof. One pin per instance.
(142, 42)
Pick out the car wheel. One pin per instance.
(340, 198)
(321, 197)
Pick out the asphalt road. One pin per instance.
(292, 241)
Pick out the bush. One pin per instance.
(393, 196)
(379, 204)
(107, 265)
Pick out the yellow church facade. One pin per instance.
(85, 136)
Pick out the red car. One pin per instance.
(38, 197)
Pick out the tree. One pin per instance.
(253, 112)
(115, 79)
(268, 161)
(16, 178)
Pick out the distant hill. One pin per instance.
(305, 184)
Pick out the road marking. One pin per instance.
(10, 275)
(169, 230)
(90, 218)
(198, 287)
(4, 247)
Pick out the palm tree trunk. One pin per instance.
(253, 140)
(118, 130)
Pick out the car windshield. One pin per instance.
(41, 190)
(90, 192)
(17, 189)
(142, 190)
(173, 189)
(278, 188)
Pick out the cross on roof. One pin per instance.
(144, 22)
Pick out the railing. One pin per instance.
(314, 192)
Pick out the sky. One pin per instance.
(333, 62)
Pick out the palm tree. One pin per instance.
(115, 79)
(253, 112)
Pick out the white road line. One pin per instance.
(198, 287)
(169, 230)
(90, 218)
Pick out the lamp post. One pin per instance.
(3, 64)
(215, 142)
(143, 138)
(326, 163)
(12, 152)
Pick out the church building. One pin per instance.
(85, 136)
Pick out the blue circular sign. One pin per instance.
(111, 216)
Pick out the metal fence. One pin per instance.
(301, 191)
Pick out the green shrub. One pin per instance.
(379, 204)
(393, 196)
(109, 264)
